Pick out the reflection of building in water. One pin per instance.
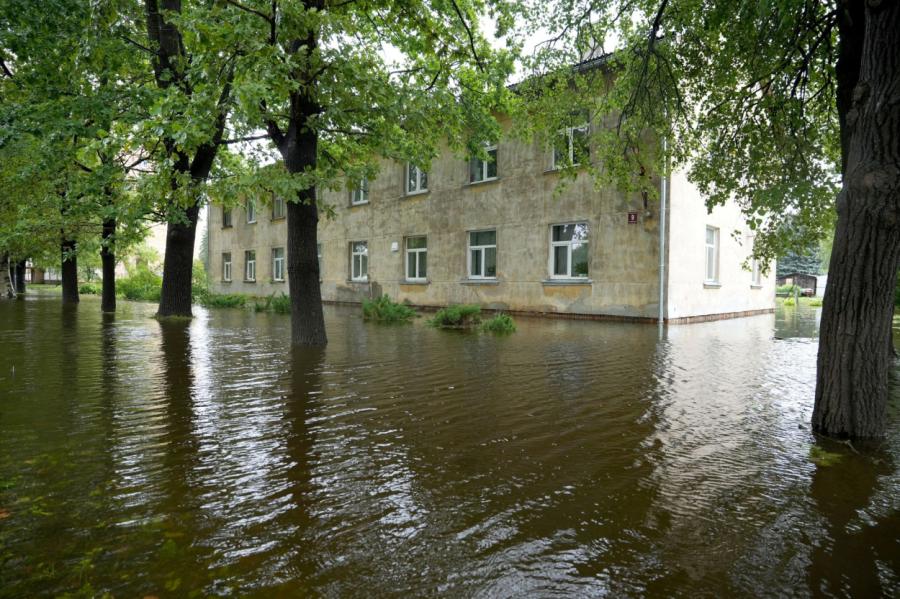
(503, 234)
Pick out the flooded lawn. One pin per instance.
(571, 458)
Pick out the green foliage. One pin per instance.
(140, 284)
(808, 263)
(385, 310)
(897, 293)
(789, 301)
(199, 282)
(460, 316)
(280, 304)
(786, 289)
(91, 288)
(224, 300)
(501, 323)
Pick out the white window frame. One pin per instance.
(569, 132)
(278, 265)
(551, 264)
(354, 255)
(279, 214)
(250, 208)
(755, 273)
(711, 249)
(250, 266)
(484, 165)
(481, 249)
(226, 267)
(421, 175)
(415, 253)
(359, 196)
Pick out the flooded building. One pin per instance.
(499, 233)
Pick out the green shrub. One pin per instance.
(384, 309)
(501, 323)
(789, 301)
(789, 289)
(140, 284)
(815, 302)
(224, 300)
(91, 288)
(280, 303)
(460, 316)
(199, 283)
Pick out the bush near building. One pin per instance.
(385, 310)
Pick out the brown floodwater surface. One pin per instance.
(572, 458)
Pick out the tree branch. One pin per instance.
(471, 36)
(238, 140)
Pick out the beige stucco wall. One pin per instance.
(687, 293)
(520, 205)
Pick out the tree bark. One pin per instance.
(855, 358)
(20, 277)
(108, 260)
(175, 297)
(69, 272)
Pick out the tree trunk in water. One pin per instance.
(20, 277)
(108, 259)
(69, 272)
(855, 347)
(175, 298)
(307, 319)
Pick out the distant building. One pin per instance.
(801, 280)
(495, 234)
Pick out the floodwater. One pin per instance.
(571, 458)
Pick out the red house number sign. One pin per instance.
(632, 218)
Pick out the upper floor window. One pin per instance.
(279, 208)
(571, 146)
(484, 170)
(569, 251)
(226, 217)
(359, 261)
(483, 254)
(712, 255)
(226, 266)
(416, 179)
(416, 258)
(360, 194)
(250, 206)
(250, 265)
(277, 264)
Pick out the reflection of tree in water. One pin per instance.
(846, 564)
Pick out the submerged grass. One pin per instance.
(460, 316)
(224, 300)
(501, 323)
(386, 310)
(280, 304)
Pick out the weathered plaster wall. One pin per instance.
(687, 294)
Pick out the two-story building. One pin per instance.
(495, 233)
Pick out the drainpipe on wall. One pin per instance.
(663, 189)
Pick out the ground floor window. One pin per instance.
(712, 255)
(569, 251)
(359, 261)
(277, 264)
(483, 254)
(250, 265)
(319, 258)
(416, 258)
(755, 273)
(226, 266)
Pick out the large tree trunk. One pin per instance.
(20, 277)
(69, 272)
(108, 260)
(175, 298)
(855, 357)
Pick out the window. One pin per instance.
(571, 147)
(416, 179)
(360, 195)
(279, 208)
(755, 273)
(226, 266)
(226, 217)
(319, 258)
(359, 261)
(712, 255)
(483, 254)
(250, 265)
(251, 211)
(569, 251)
(416, 258)
(484, 170)
(277, 264)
